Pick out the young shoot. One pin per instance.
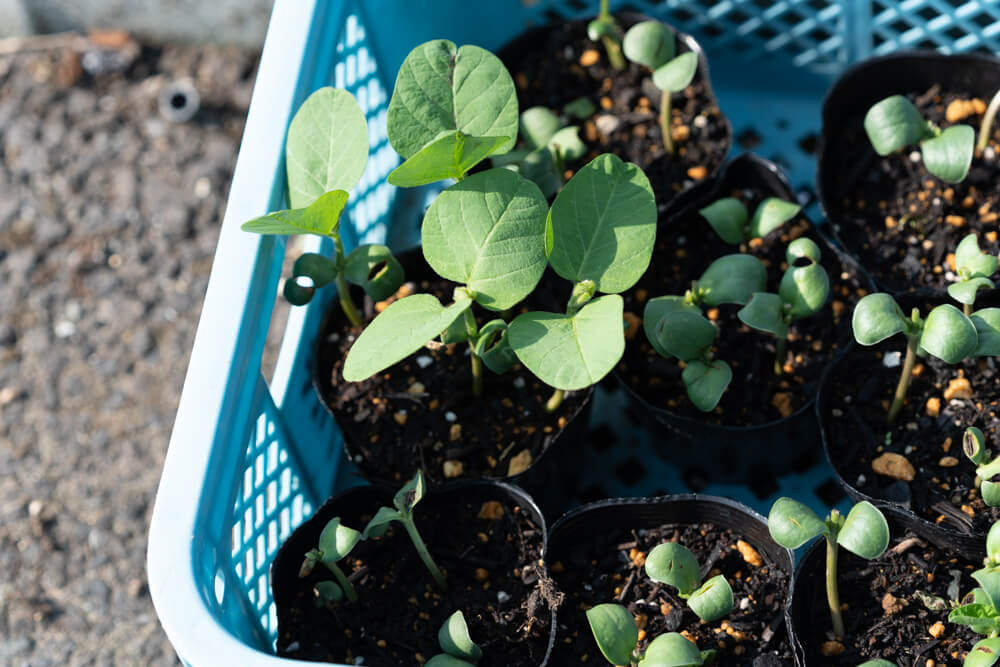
(459, 649)
(980, 609)
(895, 123)
(402, 511)
(326, 153)
(676, 327)
(987, 466)
(974, 268)
(605, 29)
(672, 564)
(335, 542)
(617, 636)
(654, 44)
(986, 127)
(734, 225)
(549, 145)
(946, 333)
(803, 291)
(864, 533)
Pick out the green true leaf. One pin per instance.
(381, 522)
(677, 74)
(966, 290)
(993, 544)
(445, 660)
(322, 270)
(650, 43)
(988, 579)
(771, 214)
(865, 532)
(493, 347)
(949, 155)
(374, 268)
(399, 331)
(802, 247)
(410, 494)
(728, 218)
(987, 323)
(455, 640)
(990, 492)
(571, 351)
(614, 631)
(980, 617)
(971, 261)
(671, 650)
(451, 155)
(321, 217)
(805, 288)
(337, 540)
(538, 126)
(327, 147)
(603, 225)
(712, 600)
(893, 123)
(877, 317)
(654, 312)
(327, 592)
(488, 232)
(706, 382)
(581, 108)
(792, 523)
(765, 312)
(296, 294)
(673, 564)
(986, 652)
(948, 334)
(733, 279)
(685, 334)
(567, 143)
(440, 87)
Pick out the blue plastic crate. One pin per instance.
(248, 461)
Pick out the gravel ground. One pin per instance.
(108, 221)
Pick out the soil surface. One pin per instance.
(109, 216)
(685, 246)
(609, 568)
(927, 433)
(558, 64)
(489, 549)
(884, 615)
(422, 412)
(900, 220)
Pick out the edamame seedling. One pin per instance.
(617, 637)
(335, 542)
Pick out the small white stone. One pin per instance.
(294, 646)
(936, 201)
(989, 153)
(891, 359)
(908, 450)
(64, 329)
(35, 507)
(519, 382)
(861, 479)
(73, 310)
(606, 123)
(837, 412)
(424, 361)
(202, 187)
(700, 121)
(915, 156)
(744, 603)
(359, 458)
(950, 276)
(360, 660)
(502, 596)
(450, 417)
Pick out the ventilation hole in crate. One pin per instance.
(820, 5)
(749, 139)
(631, 471)
(926, 44)
(927, 13)
(790, 19)
(983, 20)
(602, 438)
(763, 483)
(695, 479)
(955, 33)
(830, 493)
(712, 30)
(899, 26)
(809, 144)
(819, 35)
(805, 460)
(682, 15)
(766, 32)
(737, 16)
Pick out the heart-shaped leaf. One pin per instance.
(614, 631)
(538, 126)
(321, 217)
(865, 532)
(380, 523)
(733, 279)
(654, 312)
(765, 312)
(650, 43)
(792, 523)
(893, 123)
(770, 214)
(988, 579)
(805, 288)
(685, 334)
(327, 147)
(322, 270)
(671, 650)
(728, 218)
(949, 155)
(966, 290)
(673, 564)
(949, 335)
(987, 323)
(712, 600)
(567, 143)
(399, 331)
(802, 247)
(971, 261)
(449, 156)
(337, 540)
(488, 232)
(877, 317)
(440, 87)
(706, 382)
(374, 268)
(603, 225)
(986, 652)
(677, 74)
(571, 351)
(455, 640)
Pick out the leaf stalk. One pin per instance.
(899, 397)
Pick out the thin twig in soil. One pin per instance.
(772, 628)
(903, 546)
(628, 584)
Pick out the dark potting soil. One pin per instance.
(494, 578)
(609, 568)
(943, 486)
(900, 220)
(548, 69)
(685, 246)
(884, 616)
(421, 412)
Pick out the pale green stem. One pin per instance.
(343, 291)
(967, 309)
(611, 45)
(477, 363)
(832, 595)
(555, 400)
(904, 378)
(338, 574)
(780, 354)
(986, 127)
(668, 140)
(418, 543)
